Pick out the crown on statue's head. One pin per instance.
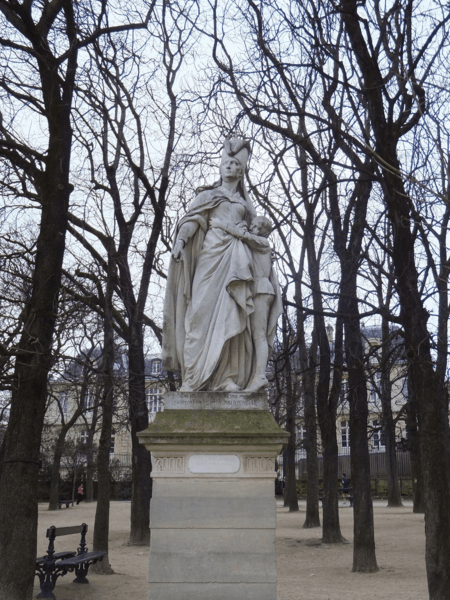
(237, 148)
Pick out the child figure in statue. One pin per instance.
(263, 291)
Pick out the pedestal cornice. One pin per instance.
(208, 429)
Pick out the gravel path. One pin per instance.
(307, 569)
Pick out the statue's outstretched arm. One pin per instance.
(185, 232)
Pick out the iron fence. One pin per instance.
(378, 465)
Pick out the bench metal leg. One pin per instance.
(81, 572)
(47, 590)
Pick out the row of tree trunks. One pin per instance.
(429, 395)
(326, 395)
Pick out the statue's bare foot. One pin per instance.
(230, 386)
(257, 384)
(185, 388)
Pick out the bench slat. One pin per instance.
(67, 530)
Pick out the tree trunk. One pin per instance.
(101, 526)
(364, 559)
(54, 483)
(89, 493)
(141, 485)
(394, 493)
(18, 486)
(141, 490)
(429, 396)
(312, 518)
(414, 453)
(308, 370)
(91, 462)
(290, 488)
(327, 411)
(59, 449)
(326, 399)
(74, 481)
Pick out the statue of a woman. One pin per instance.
(207, 330)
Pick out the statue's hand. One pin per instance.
(177, 250)
(241, 228)
(215, 222)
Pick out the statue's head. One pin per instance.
(238, 149)
(261, 226)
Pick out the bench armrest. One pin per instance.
(56, 556)
(81, 558)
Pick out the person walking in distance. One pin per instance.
(345, 485)
(80, 494)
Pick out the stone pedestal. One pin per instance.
(213, 511)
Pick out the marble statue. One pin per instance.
(222, 298)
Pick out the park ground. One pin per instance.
(307, 569)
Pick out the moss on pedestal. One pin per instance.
(213, 428)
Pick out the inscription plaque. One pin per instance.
(215, 401)
(214, 463)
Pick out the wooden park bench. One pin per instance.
(66, 502)
(57, 564)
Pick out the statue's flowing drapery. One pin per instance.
(209, 299)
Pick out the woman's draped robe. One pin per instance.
(209, 299)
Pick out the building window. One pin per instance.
(375, 387)
(378, 436)
(344, 393)
(64, 402)
(154, 400)
(300, 451)
(156, 367)
(301, 436)
(89, 398)
(404, 386)
(113, 441)
(84, 437)
(345, 434)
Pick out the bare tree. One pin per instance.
(101, 526)
(393, 67)
(40, 48)
(131, 180)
